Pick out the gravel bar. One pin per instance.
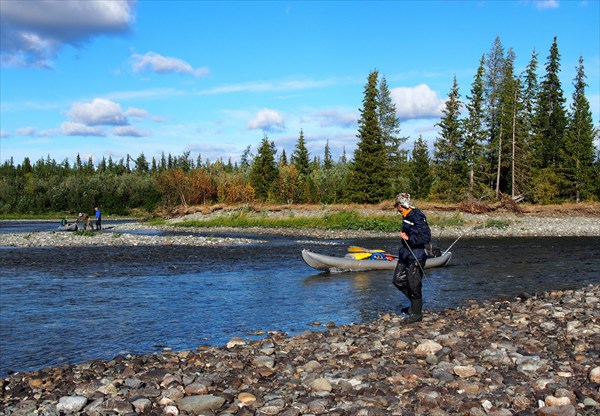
(534, 355)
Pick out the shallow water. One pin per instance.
(68, 305)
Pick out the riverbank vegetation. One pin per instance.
(511, 136)
(344, 220)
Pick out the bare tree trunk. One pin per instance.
(514, 139)
(498, 171)
(472, 173)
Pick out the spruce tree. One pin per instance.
(369, 178)
(524, 157)
(283, 159)
(263, 172)
(420, 169)
(508, 109)
(493, 84)
(327, 159)
(551, 118)
(390, 132)
(578, 146)
(475, 132)
(450, 168)
(300, 157)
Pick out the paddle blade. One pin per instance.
(355, 249)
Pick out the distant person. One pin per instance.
(98, 219)
(85, 218)
(408, 275)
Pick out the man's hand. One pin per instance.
(404, 236)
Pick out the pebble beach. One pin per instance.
(534, 355)
(537, 354)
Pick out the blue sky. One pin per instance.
(111, 78)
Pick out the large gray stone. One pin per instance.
(194, 404)
(71, 404)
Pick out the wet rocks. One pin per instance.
(533, 355)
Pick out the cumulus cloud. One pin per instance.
(77, 129)
(33, 32)
(333, 118)
(267, 120)
(155, 62)
(416, 102)
(87, 119)
(98, 112)
(4, 134)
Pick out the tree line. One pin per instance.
(511, 135)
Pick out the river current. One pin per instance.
(65, 305)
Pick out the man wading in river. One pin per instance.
(408, 275)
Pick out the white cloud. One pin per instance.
(164, 65)
(267, 120)
(333, 118)
(98, 112)
(33, 32)
(27, 131)
(78, 129)
(4, 134)
(416, 102)
(129, 131)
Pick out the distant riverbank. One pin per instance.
(505, 225)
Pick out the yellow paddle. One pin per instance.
(360, 256)
(355, 249)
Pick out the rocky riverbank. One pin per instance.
(534, 355)
(120, 235)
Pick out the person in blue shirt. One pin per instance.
(412, 255)
(98, 219)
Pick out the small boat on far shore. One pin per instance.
(350, 263)
(68, 227)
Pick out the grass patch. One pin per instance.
(344, 220)
(85, 233)
(494, 223)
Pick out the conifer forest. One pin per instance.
(506, 133)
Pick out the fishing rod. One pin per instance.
(413, 254)
(459, 237)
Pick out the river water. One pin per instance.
(68, 305)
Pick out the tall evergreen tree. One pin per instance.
(246, 159)
(475, 133)
(300, 158)
(551, 117)
(578, 146)
(508, 96)
(263, 173)
(420, 172)
(141, 164)
(369, 178)
(390, 132)
(524, 157)
(283, 159)
(450, 168)
(493, 84)
(327, 159)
